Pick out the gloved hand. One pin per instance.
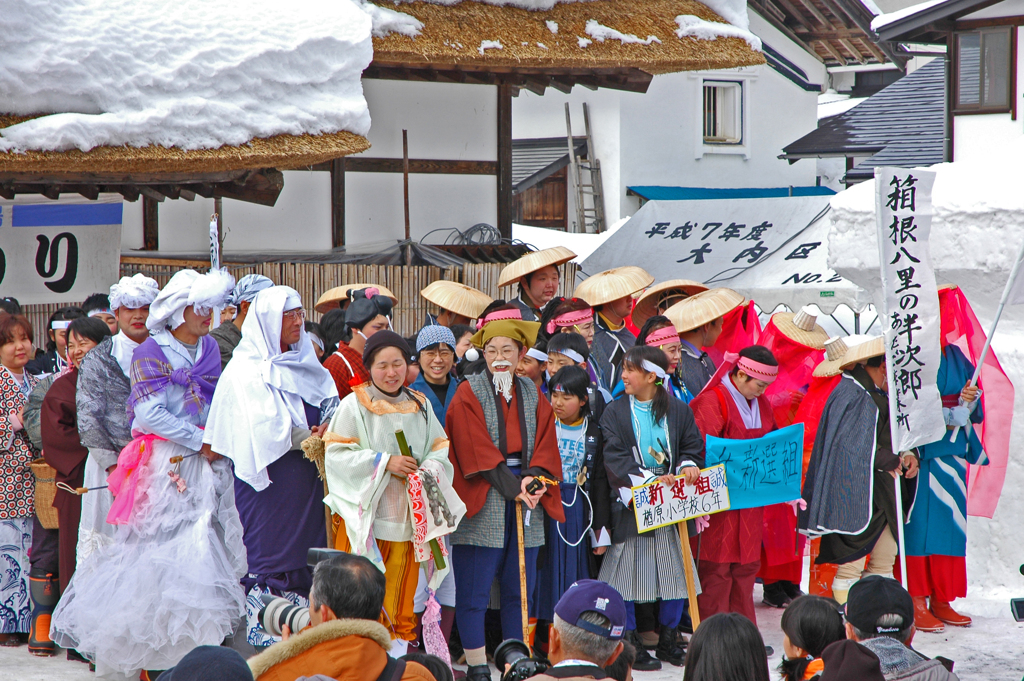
(797, 505)
(702, 523)
(957, 416)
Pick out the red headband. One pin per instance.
(663, 336)
(571, 319)
(499, 315)
(761, 372)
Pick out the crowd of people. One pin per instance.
(475, 480)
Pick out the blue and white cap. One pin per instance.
(591, 595)
(434, 334)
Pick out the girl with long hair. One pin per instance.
(809, 625)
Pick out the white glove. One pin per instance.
(957, 416)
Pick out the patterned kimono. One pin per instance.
(17, 488)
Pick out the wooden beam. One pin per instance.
(7, 192)
(51, 191)
(360, 164)
(338, 203)
(186, 194)
(204, 189)
(873, 49)
(262, 187)
(505, 201)
(796, 14)
(150, 224)
(123, 178)
(129, 192)
(151, 193)
(834, 34)
(833, 51)
(89, 191)
(788, 32)
(852, 49)
(808, 5)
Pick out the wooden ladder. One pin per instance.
(585, 177)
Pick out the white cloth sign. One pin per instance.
(903, 210)
(59, 251)
(657, 505)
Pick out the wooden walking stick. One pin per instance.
(522, 574)
(691, 586)
(314, 449)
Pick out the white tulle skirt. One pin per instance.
(94, 532)
(170, 580)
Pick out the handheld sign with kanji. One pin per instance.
(762, 471)
(657, 505)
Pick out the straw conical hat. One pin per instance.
(647, 304)
(864, 351)
(618, 282)
(800, 327)
(703, 308)
(835, 351)
(456, 297)
(531, 262)
(333, 298)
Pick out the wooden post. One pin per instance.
(505, 160)
(405, 178)
(150, 224)
(522, 574)
(691, 586)
(338, 203)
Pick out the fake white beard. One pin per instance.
(502, 379)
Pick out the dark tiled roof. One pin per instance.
(901, 125)
(534, 160)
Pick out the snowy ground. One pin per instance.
(990, 650)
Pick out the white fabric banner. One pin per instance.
(903, 210)
(59, 251)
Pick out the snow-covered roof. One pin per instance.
(891, 17)
(120, 75)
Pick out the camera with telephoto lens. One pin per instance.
(278, 612)
(515, 655)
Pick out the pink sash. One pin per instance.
(124, 481)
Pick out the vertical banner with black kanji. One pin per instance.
(903, 208)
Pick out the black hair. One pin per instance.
(573, 380)
(557, 307)
(493, 307)
(62, 314)
(569, 341)
(89, 328)
(460, 330)
(757, 353)
(366, 307)
(811, 623)
(97, 301)
(335, 331)
(314, 328)
(634, 359)
(726, 646)
(350, 586)
(875, 362)
(10, 305)
(619, 670)
(653, 324)
(437, 667)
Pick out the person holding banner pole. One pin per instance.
(648, 435)
(849, 488)
(733, 406)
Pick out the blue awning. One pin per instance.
(655, 193)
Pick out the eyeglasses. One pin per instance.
(443, 353)
(507, 353)
(292, 315)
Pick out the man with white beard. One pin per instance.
(502, 435)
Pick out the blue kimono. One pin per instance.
(440, 410)
(938, 518)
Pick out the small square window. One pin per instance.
(723, 112)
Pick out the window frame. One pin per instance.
(747, 77)
(739, 111)
(980, 108)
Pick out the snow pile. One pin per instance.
(600, 33)
(542, 46)
(733, 11)
(886, 19)
(128, 72)
(490, 45)
(583, 42)
(521, 4)
(691, 26)
(386, 21)
(552, 26)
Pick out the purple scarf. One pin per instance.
(151, 373)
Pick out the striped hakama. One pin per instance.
(648, 567)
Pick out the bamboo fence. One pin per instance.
(312, 279)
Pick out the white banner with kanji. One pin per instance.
(903, 209)
(657, 504)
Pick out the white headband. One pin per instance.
(537, 355)
(60, 326)
(316, 341)
(653, 368)
(571, 354)
(96, 313)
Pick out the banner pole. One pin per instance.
(899, 531)
(995, 322)
(691, 587)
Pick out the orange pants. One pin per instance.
(401, 572)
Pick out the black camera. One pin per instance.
(278, 612)
(1017, 604)
(515, 655)
(314, 556)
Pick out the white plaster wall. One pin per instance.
(985, 136)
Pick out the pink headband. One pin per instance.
(498, 316)
(663, 336)
(761, 372)
(571, 319)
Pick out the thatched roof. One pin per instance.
(452, 37)
(272, 152)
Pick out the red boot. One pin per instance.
(943, 611)
(924, 620)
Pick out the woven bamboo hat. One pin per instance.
(647, 304)
(618, 282)
(835, 351)
(863, 352)
(800, 327)
(333, 298)
(702, 308)
(458, 298)
(531, 262)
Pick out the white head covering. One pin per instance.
(133, 292)
(247, 288)
(260, 394)
(188, 287)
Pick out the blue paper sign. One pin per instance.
(760, 472)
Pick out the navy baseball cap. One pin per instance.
(874, 596)
(591, 595)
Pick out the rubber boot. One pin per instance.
(644, 662)
(447, 625)
(945, 613)
(481, 672)
(44, 589)
(924, 620)
(668, 650)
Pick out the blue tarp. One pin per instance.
(655, 193)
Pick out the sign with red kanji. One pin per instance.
(657, 504)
